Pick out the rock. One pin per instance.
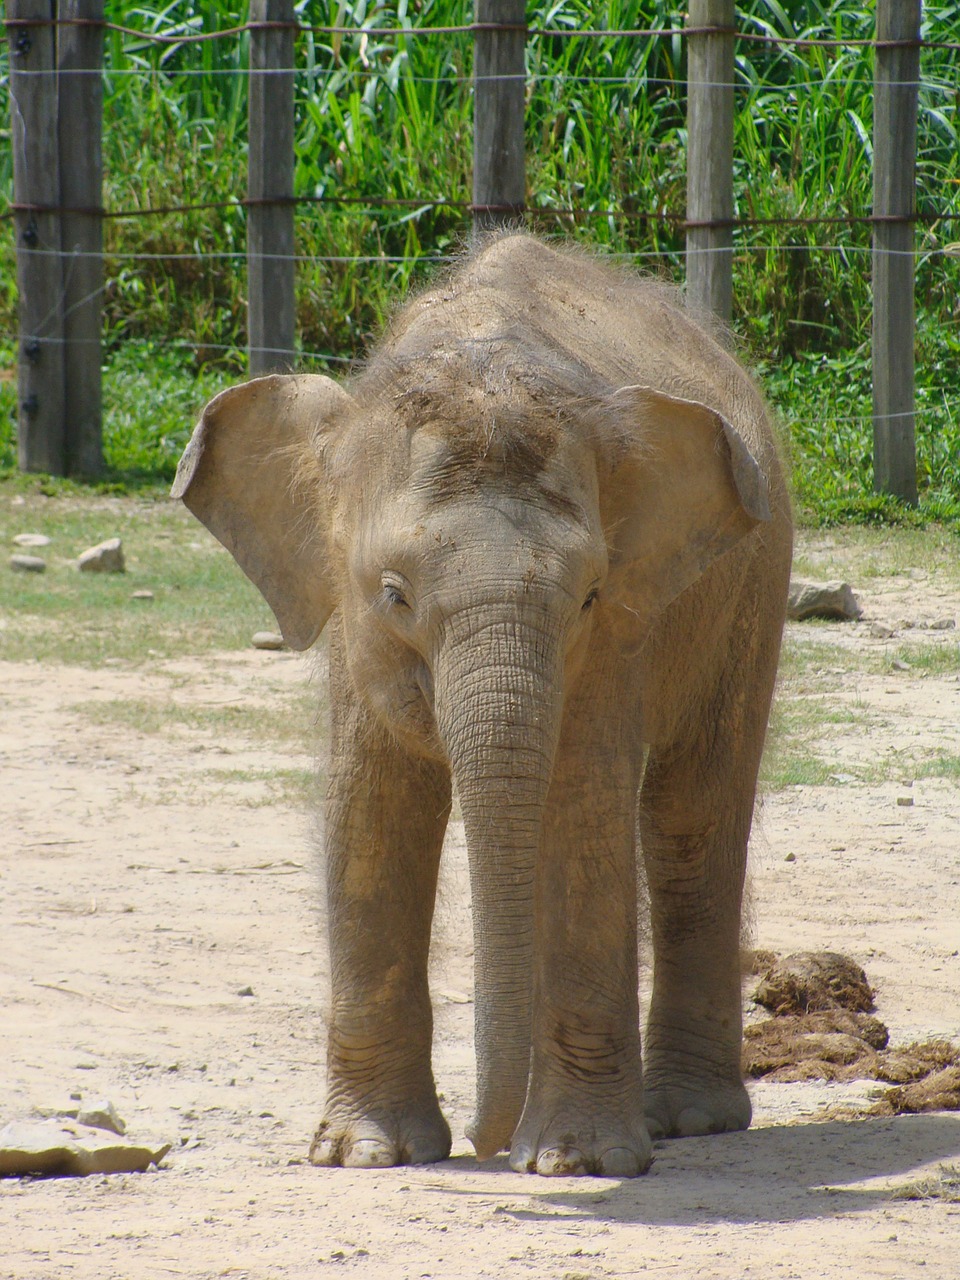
(455, 997)
(267, 640)
(65, 1147)
(59, 1111)
(142, 595)
(822, 600)
(943, 624)
(105, 557)
(101, 1114)
(28, 564)
(881, 631)
(31, 540)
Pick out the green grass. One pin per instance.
(942, 659)
(830, 725)
(389, 117)
(283, 719)
(789, 765)
(201, 600)
(263, 788)
(862, 553)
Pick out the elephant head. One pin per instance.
(473, 526)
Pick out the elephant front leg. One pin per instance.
(584, 1106)
(387, 813)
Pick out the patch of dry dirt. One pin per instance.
(142, 892)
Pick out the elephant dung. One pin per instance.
(105, 557)
(913, 1062)
(813, 981)
(939, 1091)
(833, 1045)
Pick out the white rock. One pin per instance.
(105, 557)
(28, 564)
(100, 1113)
(52, 1148)
(31, 540)
(267, 640)
(822, 600)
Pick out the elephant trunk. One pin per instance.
(498, 706)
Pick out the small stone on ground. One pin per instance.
(267, 640)
(105, 557)
(28, 564)
(822, 600)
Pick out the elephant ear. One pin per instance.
(684, 490)
(253, 474)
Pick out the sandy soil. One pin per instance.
(143, 889)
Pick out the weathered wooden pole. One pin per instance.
(80, 123)
(499, 92)
(710, 104)
(271, 305)
(896, 76)
(36, 196)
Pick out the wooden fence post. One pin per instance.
(36, 193)
(499, 94)
(710, 156)
(896, 76)
(80, 121)
(271, 305)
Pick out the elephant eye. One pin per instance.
(393, 592)
(591, 596)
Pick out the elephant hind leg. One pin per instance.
(695, 867)
(694, 817)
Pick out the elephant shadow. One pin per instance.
(774, 1174)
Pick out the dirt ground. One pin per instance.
(162, 946)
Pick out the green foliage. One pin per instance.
(153, 397)
(383, 133)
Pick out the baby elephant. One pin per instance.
(549, 530)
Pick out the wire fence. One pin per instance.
(355, 89)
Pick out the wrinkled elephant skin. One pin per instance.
(548, 527)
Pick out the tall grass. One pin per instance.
(387, 118)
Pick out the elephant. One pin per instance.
(547, 526)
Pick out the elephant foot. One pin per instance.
(691, 1110)
(570, 1145)
(377, 1142)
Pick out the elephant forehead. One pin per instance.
(510, 472)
